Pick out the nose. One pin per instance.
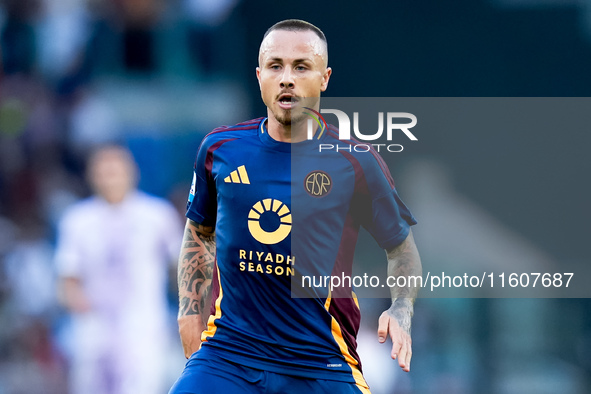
(287, 80)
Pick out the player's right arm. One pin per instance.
(195, 272)
(69, 258)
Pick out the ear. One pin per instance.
(325, 79)
(259, 76)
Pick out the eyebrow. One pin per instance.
(278, 59)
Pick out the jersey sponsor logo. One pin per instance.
(277, 221)
(266, 262)
(239, 175)
(318, 183)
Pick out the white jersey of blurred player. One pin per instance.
(114, 253)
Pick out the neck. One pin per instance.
(115, 198)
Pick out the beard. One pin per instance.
(289, 117)
(295, 115)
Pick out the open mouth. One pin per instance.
(287, 101)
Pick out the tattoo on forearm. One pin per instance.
(403, 315)
(404, 261)
(195, 270)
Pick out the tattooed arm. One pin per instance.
(195, 272)
(403, 260)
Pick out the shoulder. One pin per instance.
(240, 130)
(156, 213)
(83, 206)
(363, 156)
(79, 210)
(156, 204)
(363, 152)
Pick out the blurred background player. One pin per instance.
(114, 255)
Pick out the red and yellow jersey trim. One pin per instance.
(211, 327)
(337, 334)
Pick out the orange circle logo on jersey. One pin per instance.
(273, 208)
(318, 183)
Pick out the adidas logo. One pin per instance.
(238, 176)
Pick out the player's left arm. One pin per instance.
(403, 260)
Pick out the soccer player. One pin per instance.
(266, 207)
(114, 254)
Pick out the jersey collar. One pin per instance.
(287, 146)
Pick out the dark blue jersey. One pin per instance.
(282, 212)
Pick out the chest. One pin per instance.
(309, 186)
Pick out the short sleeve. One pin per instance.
(202, 203)
(385, 216)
